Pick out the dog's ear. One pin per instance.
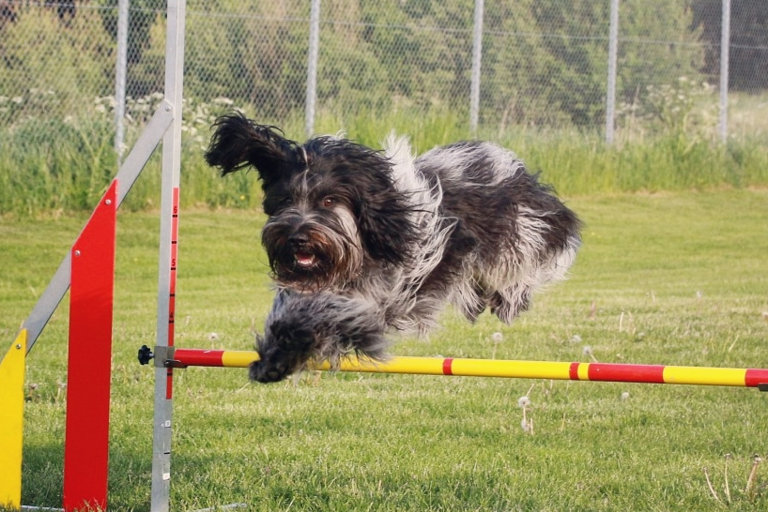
(386, 228)
(238, 142)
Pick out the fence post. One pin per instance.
(314, 44)
(120, 72)
(613, 44)
(725, 43)
(477, 57)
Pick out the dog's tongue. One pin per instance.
(305, 259)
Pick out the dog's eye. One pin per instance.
(328, 202)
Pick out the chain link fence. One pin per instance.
(542, 63)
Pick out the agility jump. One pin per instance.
(466, 367)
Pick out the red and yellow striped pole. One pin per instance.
(604, 372)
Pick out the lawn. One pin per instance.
(675, 278)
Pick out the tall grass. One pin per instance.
(53, 165)
(50, 164)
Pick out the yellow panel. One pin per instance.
(11, 421)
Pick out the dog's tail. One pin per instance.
(238, 142)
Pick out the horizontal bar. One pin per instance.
(602, 372)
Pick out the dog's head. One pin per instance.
(332, 204)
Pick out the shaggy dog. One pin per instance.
(392, 237)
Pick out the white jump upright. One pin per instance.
(168, 258)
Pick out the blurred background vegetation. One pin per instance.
(382, 66)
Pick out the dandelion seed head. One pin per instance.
(497, 337)
(524, 402)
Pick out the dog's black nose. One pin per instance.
(298, 239)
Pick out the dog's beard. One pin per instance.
(322, 252)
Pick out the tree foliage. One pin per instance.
(43, 55)
(543, 63)
(748, 60)
(144, 14)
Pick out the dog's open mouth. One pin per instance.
(305, 259)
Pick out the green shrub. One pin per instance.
(47, 64)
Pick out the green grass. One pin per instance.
(667, 278)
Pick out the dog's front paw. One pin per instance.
(265, 373)
(284, 349)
